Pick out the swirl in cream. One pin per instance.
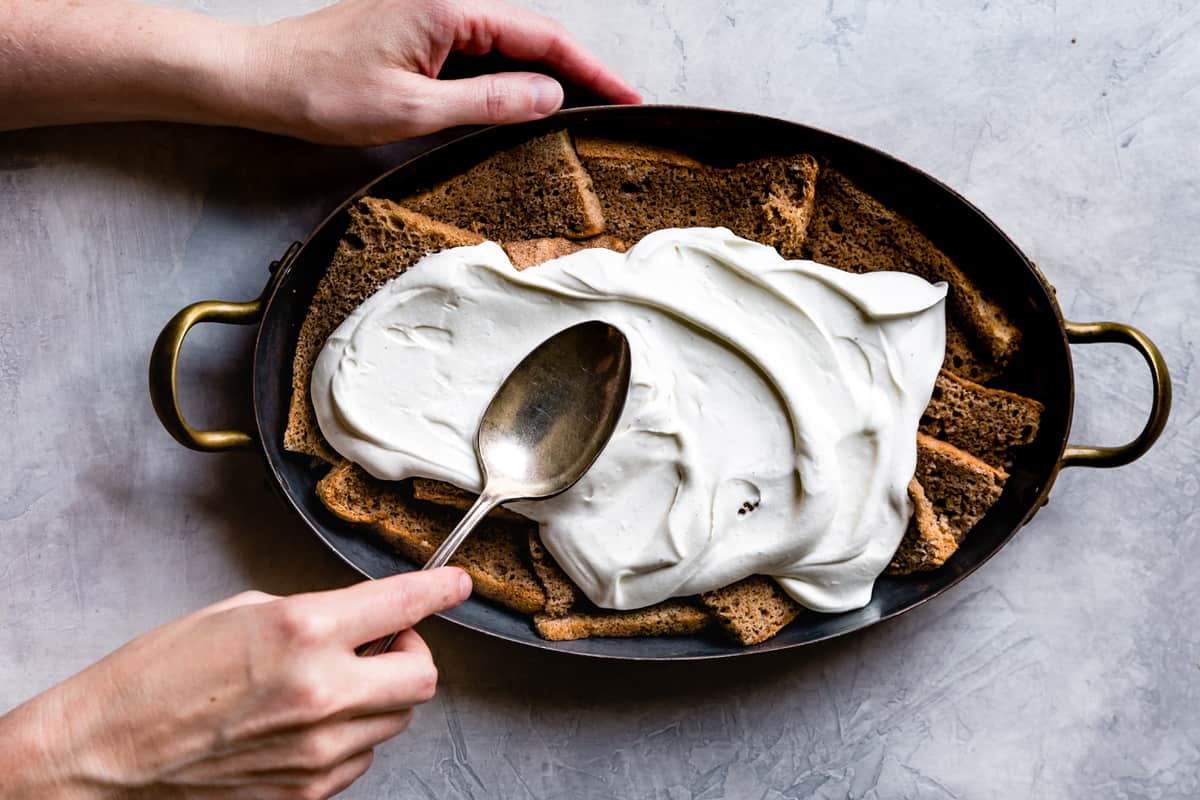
(770, 426)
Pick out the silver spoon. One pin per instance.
(547, 423)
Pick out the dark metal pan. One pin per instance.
(1042, 368)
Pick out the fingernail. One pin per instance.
(464, 584)
(547, 95)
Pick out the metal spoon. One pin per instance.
(546, 424)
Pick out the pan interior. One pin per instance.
(1042, 368)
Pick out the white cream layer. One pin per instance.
(770, 426)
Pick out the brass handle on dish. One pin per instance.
(1160, 405)
(164, 359)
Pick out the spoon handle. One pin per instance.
(483, 505)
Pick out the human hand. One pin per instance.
(255, 697)
(363, 72)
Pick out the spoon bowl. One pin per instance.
(554, 413)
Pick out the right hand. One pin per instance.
(255, 697)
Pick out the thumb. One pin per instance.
(371, 609)
(496, 99)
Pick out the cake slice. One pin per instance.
(533, 190)
(644, 189)
(928, 542)
(671, 618)
(382, 240)
(450, 496)
(753, 609)
(951, 491)
(564, 612)
(561, 592)
(531, 252)
(493, 555)
(851, 230)
(987, 423)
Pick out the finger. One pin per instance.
(388, 682)
(250, 791)
(409, 641)
(326, 784)
(527, 36)
(343, 775)
(296, 757)
(496, 99)
(371, 609)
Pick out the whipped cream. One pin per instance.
(770, 426)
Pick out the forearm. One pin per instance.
(65, 62)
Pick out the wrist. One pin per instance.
(198, 70)
(37, 759)
(257, 90)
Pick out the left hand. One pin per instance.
(363, 72)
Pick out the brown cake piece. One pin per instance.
(381, 241)
(987, 423)
(953, 491)
(449, 495)
(493, 555)
(530, 252)
(670, 618)
(533, 190)
(928, 542)
(851, 230)
(753, 609)
(561, 593)
(644, 189)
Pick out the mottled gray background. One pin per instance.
(1068, 666)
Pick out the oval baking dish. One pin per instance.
(1041, 369)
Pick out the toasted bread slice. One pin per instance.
(530, 252)
(644, 189)
(671, 618)
(987, 423)
(493, 555)
(851, 230)
(953, 491)
(561, 593)
(928, 542)
(753, 609)
(450, 496)
(533, 190)
(381, 241)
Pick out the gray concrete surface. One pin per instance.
(1067, 667)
